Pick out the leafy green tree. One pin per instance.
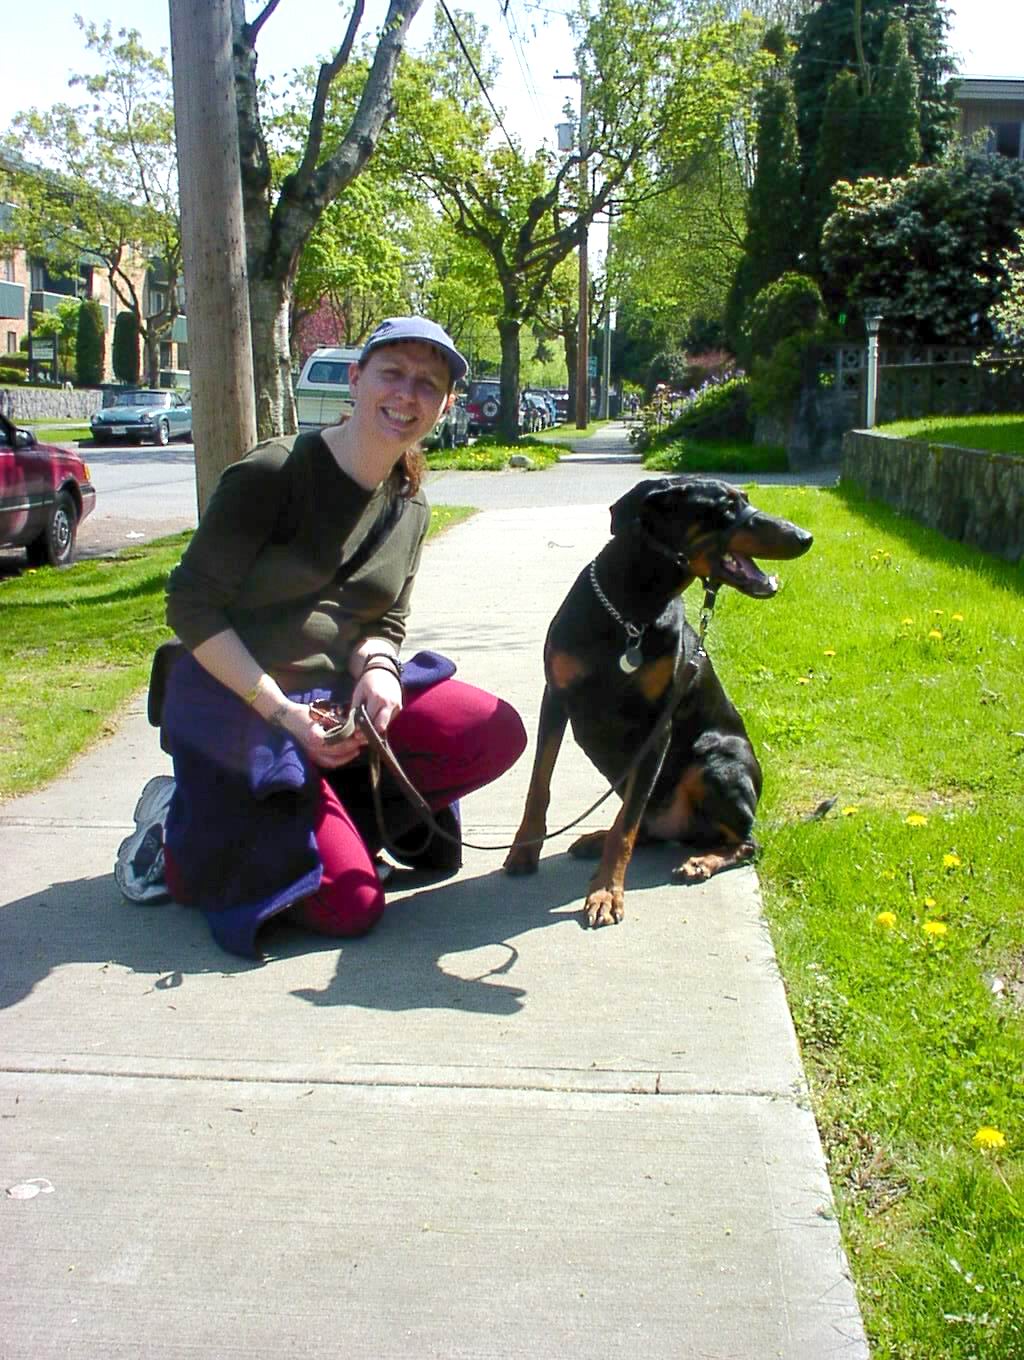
(931, 245)
(838, 35)
(124, 354)
(90, 345)
(838, 154)
(104, 177)
(528, 212)
(61, 326)
(897, 115)
(326, 155)
(775, 206)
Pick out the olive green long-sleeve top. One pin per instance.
(265, 557)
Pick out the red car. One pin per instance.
(45, 493)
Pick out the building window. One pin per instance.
(1007, 139)
(12, 342)
(157, 301)
(182, 356)
(7, 268)
(165, 354)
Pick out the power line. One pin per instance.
(476, 73)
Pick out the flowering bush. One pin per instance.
(718, 409)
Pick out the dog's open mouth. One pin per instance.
(743, 573)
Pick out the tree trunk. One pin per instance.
(269, 306)
(508, 417)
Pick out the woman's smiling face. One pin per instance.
(400, 391)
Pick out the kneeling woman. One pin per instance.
(296, 588)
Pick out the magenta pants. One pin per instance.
(450, 740)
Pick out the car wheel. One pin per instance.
(162, 434)
(56, 544)
(489, 410)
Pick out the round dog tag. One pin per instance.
(631, 659)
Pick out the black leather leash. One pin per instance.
(380, 755)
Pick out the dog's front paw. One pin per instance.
(605, 906)
(522, 859)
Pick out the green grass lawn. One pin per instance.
(717, 455)
(996, 434)
(886, 675)
(489, 455)
(60, 433)
(76, 644)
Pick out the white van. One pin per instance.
(322, 394)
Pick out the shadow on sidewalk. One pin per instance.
(441, 946)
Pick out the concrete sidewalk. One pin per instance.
(482, 1131)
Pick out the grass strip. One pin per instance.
(886, 676)
(490, 456)
(77, 644)
(994, 434)
(717, 455)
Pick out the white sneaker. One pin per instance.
(139, 867)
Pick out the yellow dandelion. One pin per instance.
(951, 861)
(803, 680)
(890, 874)
(906, 622)
(829, 651)
(929, 902)
(916, 819)
(957, 618)
(886, 919)
(935, 929)
(988, 1137)
(938, 613)
(850, 811)
(935, 634)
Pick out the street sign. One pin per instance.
(44, 349)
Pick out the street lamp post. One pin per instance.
(583, 341)
(872, 324)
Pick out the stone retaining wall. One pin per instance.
(967, 494)
(24, 404)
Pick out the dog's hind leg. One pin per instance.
(700, 867)
(525, 853)
(589, 846)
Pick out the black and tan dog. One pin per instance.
(612, 655)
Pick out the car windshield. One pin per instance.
(479, 390)
(143, 399)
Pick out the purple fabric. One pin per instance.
(240, 824)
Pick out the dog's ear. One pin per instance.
(628, 507)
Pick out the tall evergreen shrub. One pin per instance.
(90, 347)
(125, 353)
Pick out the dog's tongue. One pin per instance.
(743, 573)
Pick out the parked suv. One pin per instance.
(483, 402)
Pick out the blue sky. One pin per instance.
(533, 43)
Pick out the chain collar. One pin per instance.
(632, 658)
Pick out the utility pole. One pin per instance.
(213, 238)
(583, 343)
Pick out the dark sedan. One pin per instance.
(45, 493)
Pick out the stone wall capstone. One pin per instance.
(970, 495)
